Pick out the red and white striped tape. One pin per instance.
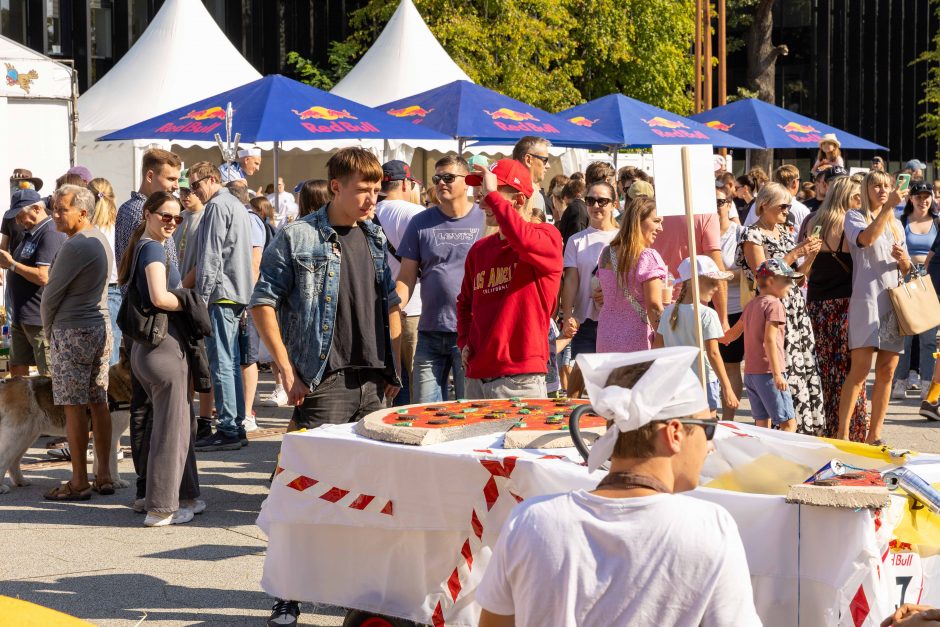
(333, 494)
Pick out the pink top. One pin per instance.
(620, 327)
(673, 242)
(759, 312)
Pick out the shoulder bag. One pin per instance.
(141, 325)
(915, 305)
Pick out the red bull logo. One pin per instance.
(661, 122)
(803, 133)
(213, 113)
(337, 121)
(665, 127)
(719, 126)
(323, 113)
(580, 120)
(410, 112)
(514, 121)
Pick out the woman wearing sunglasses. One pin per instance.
(768, 238)
(163, 370)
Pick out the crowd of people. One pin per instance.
(374, 289)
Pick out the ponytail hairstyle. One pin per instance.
(674, 316)
(153, 202)
(105, 214)
(628, 242)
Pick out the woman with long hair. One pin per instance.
(879, 252)
(827, 301)
(768, 238)
(313, 194)
(829, 154)
(632, 275)
(104, 218)
(163, 370)
(555, 198)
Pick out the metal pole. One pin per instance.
(277, 146)
(722, 58)
(707, 61)
(689, 218)
(698, 56)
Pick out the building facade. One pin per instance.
(850, 62)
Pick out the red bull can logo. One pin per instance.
(201, 121)
(337, 121)
(214, 113)
(515, 121)
(665, 127)
(719, 126)
(410, 112)
(580, 120)
(802, 133)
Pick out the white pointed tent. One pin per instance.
(183, 56)
(36, 103)
(405, 60)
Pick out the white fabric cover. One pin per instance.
(405, 60)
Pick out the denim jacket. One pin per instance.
(300, 280)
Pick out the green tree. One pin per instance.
(930, 120)
(550, 53)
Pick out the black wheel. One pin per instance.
(359, 618)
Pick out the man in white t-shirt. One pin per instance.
(394, 213)
(787, 175)
(632, 551)
(286, 209)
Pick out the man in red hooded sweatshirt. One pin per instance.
(509, 291)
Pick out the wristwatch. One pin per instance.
(12, 267)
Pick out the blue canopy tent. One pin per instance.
(633, 123)
(770, 126)
(275, 109)
(468, 112)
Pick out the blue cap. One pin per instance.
(21, 198)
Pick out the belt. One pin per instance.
(518, 374)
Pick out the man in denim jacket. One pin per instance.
(326, 308)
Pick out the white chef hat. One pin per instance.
(249, 152)
(668, 389)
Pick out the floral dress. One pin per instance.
(622, 326)
(799, 342)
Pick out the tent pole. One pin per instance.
(460, 144)
(73, 127)
(277, 146)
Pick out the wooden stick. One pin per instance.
(690, 222)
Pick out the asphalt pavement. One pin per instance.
(97, 561)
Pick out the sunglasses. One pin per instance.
(193, 184)
(600, 202)
(723, 201)
(447, 177)
(784, 207)
(709, 426)
(169, 218)
(544, 160)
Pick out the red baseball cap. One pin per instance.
(508, 172)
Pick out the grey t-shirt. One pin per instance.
(77, 292)
(440, 245)
(185, 240)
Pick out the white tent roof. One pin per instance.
(29, 74)
(405, 60)
(156, 74)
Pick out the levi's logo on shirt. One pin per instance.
(494, 279)
(454, 237)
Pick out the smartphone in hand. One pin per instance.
(904, 180)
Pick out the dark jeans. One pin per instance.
(436, 358)
(343, 396)
(585, 340)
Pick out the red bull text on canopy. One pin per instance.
(673, 128)
(803, 133)
(522, 121)
(337, 121)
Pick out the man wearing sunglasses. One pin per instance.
(435, 246)
(509, 291)
(532, 152)
(642, 554)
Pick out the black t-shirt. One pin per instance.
(38, 248)
(14, 232)
(812, 204)
(358, 330)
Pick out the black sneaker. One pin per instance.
(219, 441)
(930, 411)
(242, 436)
(203, 428)
(284, 613)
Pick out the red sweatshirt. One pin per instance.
(509, 293)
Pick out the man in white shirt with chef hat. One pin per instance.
(249, 162)
(633, 551)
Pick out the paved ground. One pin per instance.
(97, 561)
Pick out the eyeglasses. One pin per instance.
(169, 218)
(709, 426)
(723, 201)
(447, 177)
(193, 184)
(544, 160)
(600, 202)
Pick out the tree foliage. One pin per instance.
(930, 120)
(550, 53)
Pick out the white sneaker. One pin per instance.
(899, 390)
(913, 381)
(180, 516)
(158, 519)
(277, 398)
(250, 424)
(196, 506)
(139, 506)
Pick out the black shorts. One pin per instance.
(733, 353)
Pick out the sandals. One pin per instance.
(104, 488)
(66, 492)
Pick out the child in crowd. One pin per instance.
(677, 328)
(830, 153)
(763, 324)
(558, 340)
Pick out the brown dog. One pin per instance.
(27, 411)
